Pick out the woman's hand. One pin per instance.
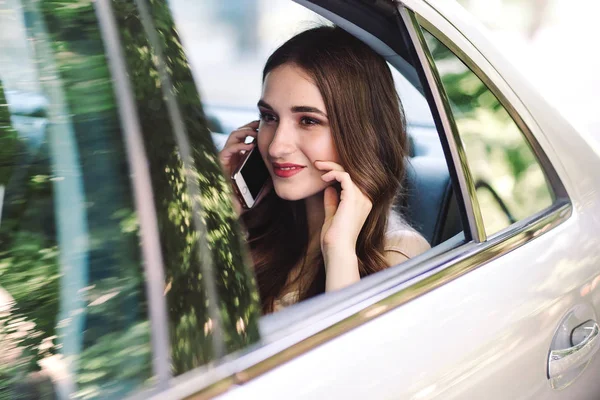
(345, 215)
(236, 146)
(233, 153)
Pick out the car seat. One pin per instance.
(429, 204)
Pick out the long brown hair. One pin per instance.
(368, 128)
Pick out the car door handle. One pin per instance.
(561, 361)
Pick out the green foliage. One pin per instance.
(116, 356)
(29, 267)
(8, 140)
(191, 327)
(116, 352)
(112, 367)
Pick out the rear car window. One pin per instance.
(509, 180)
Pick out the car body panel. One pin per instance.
(485, 335)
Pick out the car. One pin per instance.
(123, 268)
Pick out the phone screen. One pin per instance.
(255, 173)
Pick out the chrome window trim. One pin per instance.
(459, 159)
(239, 368)
(142, 191)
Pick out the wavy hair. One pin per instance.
(368, 129)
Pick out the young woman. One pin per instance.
(332, 135)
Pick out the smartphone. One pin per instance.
(249, 178)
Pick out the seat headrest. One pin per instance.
(429, 202)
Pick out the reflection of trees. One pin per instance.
(191, 326)
(498, 154)
(111, 312)
(115, 272)
(28, 259)
(8, 141)
(112, 345)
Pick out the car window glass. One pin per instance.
(73, 316)
(74, 319)
(509, 181)
(212, 301)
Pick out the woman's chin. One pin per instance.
(290, 195)
(293, 194)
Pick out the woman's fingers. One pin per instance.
(328, 165)
(349, 189)
(240, 134)
(237, 148)
(233, 150)
(342, 177)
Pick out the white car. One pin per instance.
(123, 272)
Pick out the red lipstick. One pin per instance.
(286, 170)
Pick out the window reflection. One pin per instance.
(73, 315)
(199, 232)
(508, 178)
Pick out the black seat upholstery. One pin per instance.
(429, 203)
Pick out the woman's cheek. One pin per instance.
(262, 141)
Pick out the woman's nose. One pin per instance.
(282, 143)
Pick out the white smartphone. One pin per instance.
(249, 178)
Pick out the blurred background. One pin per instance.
(552, 42)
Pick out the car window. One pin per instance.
(72, 294)
(509, 180)
(74, 311)
(211, 297)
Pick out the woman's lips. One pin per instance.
(286, 170)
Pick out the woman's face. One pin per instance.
(294, 132)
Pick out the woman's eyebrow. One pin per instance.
(295, 109)
(299, 109)
(263, 104)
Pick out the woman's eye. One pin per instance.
(309, 121)
(266, 117)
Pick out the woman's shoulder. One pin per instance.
(403, 242)
(407, 241)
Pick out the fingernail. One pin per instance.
(242, 152)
